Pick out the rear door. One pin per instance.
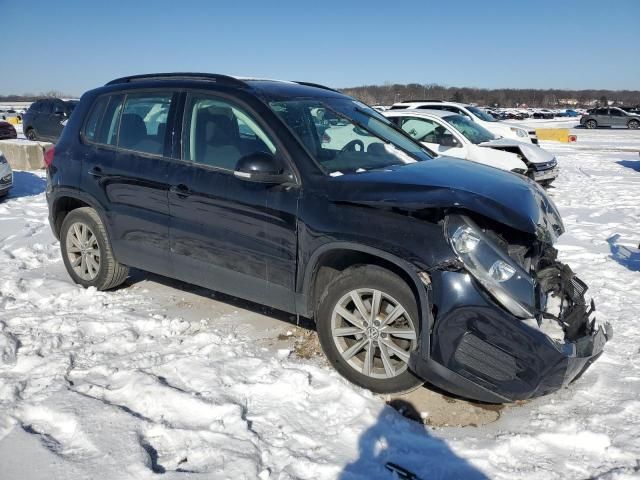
(618, 117)
(228, 234)
(125, 169)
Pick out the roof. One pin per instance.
(272, 88)
(419, 113)
(423, 102)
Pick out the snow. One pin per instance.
(161, 377)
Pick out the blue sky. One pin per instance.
(72, 46)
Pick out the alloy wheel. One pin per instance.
(83, 251)
(373, 333)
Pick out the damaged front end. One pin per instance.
(510, 322)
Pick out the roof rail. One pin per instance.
(209, 77)
(316, 85)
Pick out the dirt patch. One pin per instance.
(438, 410)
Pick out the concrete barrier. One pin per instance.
(556, 134)
(24, 154)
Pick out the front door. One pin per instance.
(435, 136)
(229, 234)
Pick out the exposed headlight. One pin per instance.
(504, 279)
(520, 132)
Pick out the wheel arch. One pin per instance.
(66, 201)
(330, 259)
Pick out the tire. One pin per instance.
(90, 263)
(392, 375)
(31, 134)
(633, 124)
(591, 124)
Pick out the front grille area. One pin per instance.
(480, 357)
(545, 166)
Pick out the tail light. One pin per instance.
(48, 156)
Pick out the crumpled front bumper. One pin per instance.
(6, 178)
(480, 351)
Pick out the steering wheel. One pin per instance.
(351, 146)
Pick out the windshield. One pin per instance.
(472, 131)
(481, 114)
(346, 136)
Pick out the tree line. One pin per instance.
(498, 97)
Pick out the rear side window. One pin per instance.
(93, 122)
(45, 107)
(107, 132)
(144, 122)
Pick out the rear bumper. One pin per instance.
(480, 351)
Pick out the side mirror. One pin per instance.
(261, 167)
(448, 141)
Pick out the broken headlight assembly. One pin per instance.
(503, 278)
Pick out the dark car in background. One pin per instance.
(7, 131)
(46, 118)
(414, 268)
(610, 117)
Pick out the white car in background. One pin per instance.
(457, 136)
(476, 114)
(6, 176)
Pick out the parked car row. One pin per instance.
(413, 266)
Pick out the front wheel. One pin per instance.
(591, 124)
(87, 253)
(31, 135)
(634, 124)
(368, 326)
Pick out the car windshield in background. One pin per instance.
(472, 131)
(346, 136)
(481, 114)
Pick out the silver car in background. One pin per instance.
(610, 117)
(6, 176)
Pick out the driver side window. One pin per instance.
(217, 133)
(428, 131)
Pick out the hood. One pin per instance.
(529, 151)
(447, 182)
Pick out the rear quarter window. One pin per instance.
(93, 120)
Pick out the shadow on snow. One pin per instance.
(625, 256)
(26, 184)
(406, 447)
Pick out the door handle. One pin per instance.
(180, 190)
(96, 172)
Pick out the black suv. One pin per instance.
(46, 118)
(414, 268)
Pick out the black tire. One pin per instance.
(591, 124)
(110, 273)
(633, 124)
(365, 277)
(31, 134)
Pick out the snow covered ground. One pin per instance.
(158, 377)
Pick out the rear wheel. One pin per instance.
(31, 134)
(591, 124)
(368, 326)
(87, 253)
(634, 124)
